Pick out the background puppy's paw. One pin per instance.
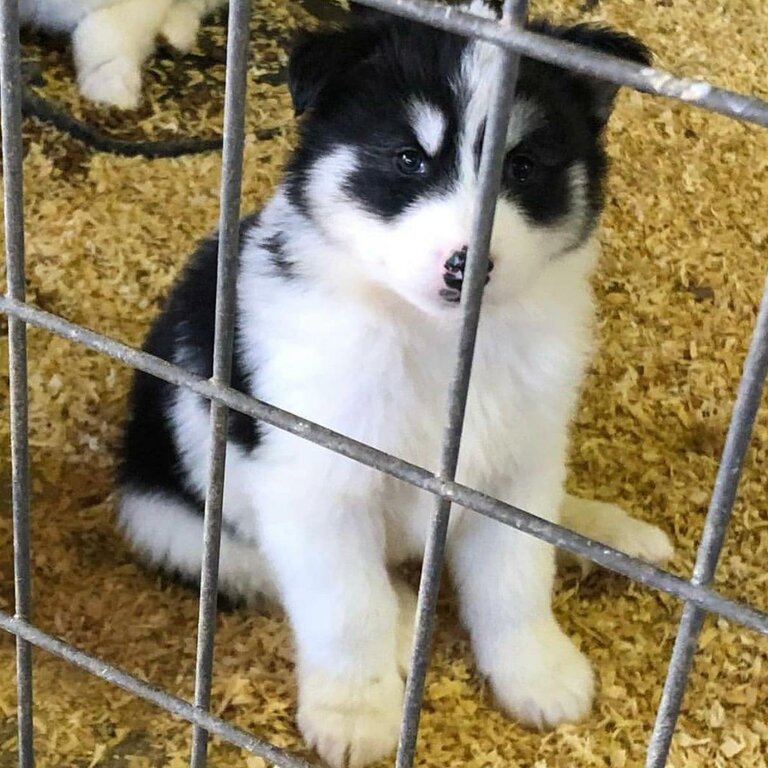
(116, 82)
(541, 678)
(406, 620)
(350, 722)
(181, 27)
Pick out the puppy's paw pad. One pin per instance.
(351, 724)
(116, 82)
(544, 680)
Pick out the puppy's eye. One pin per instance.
(521, 168)
(411, 162)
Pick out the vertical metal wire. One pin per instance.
(10, 86)
(238, 35)
(718, 517)
(474, 280)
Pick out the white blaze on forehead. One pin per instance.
(429, 125)
(524, 119)
(478, 73)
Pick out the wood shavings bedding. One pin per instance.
(685, 235)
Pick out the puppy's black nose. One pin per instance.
(457, 260)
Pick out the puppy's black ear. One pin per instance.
(318, 58)
(601, 94)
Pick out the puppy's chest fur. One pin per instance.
(380, 373)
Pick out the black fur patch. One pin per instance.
(149, 456)
(359, 85)
(274, 245)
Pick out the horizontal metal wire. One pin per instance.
(608, 557)
(172, 704)
(581, 59)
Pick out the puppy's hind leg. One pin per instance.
(169, 535)
(611, 525)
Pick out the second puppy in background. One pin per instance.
(113, 38)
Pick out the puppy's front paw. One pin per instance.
(181, 27)
(541, 678)
(116, 82)
(350, 722)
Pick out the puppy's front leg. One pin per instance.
(505, 582)
(110, 45)
(327, 550)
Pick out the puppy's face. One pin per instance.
(387, 165)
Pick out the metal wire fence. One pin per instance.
(514, 40)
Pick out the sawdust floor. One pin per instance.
(685, 239)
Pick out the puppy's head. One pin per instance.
(388, 159)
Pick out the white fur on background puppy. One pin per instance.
(113, 38)
(348, 314)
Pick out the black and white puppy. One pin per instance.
(347, 314)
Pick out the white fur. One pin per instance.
(361, 343)
(182, 22)
(429, 126)
(113, 38)
(168, 536)
(191, 429)
(611, 525)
